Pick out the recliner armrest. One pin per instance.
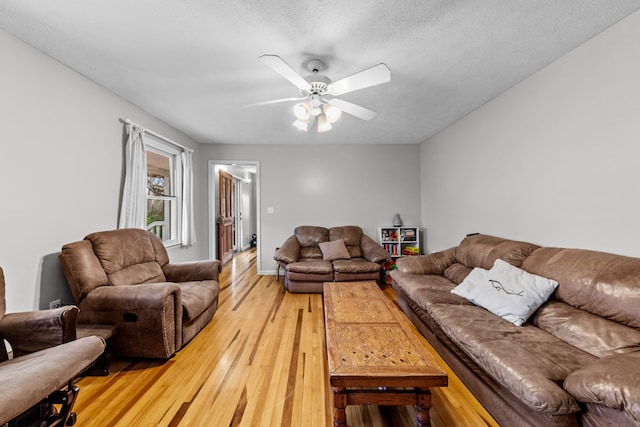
(611, 381)
(192, 271)
(289, 251)
(148, 317)
(29, 379)
(32, 331)
(372, 251)
(130, 298)
(435, 263)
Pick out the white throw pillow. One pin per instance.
(6, 352)
(506, 291)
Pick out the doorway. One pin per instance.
(234, 217)
(226, 219)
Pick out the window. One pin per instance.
(157, 192)
(163, 192)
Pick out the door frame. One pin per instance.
(213, 243)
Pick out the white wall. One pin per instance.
(328, 185)
(248, 209)
(555, 160)
(62, 154)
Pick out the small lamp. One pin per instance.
(397, 222)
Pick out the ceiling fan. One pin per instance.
(318, 102)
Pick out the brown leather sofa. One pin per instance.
(309, 258)
(124, 278)
(46, 358)
(575, 362)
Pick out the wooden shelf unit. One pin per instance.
(400, 241)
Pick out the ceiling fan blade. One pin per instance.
(279, 66)
(353, 109)
(375, 75)
(275, 101)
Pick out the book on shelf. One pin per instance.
(409, 234)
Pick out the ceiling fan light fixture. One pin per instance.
(332, 113)
(302, 111)
(312, 104)
(301, 125)
(323, 123)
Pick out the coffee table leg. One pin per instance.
(422, 407)
(340, 404)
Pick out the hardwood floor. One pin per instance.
(260, 362)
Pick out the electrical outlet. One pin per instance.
(55, 304)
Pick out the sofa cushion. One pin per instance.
(457, 272)
(588, 332)
(352, 236)
(481, 250)
(613, 381)
(507, 291)
(128, 256)
(427, 289)
(357, 265)
(82, 269)
(309, 252)
(311, 267)
(334, 250)
(148, 272)
(197, 297)
(308, 279)
(355, 251)
(311, 236)
(526, 360)
(604, 284)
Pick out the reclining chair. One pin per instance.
(123, 278)
(46, 359)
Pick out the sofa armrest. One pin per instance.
(192, 271)
(435, 263)
(289, 251)
(372, 251)
(613, 381)
(32, 331)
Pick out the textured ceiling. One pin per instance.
(194, 64)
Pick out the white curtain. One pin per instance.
(133, 204)
(188, 233)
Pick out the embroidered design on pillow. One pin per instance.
(500, 287)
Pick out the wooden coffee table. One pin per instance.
(375, 357)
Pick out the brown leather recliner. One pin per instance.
(307, 264)
(46, 358)
(124, 278)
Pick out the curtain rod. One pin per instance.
(128, 121)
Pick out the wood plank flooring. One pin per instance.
(261, 361)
